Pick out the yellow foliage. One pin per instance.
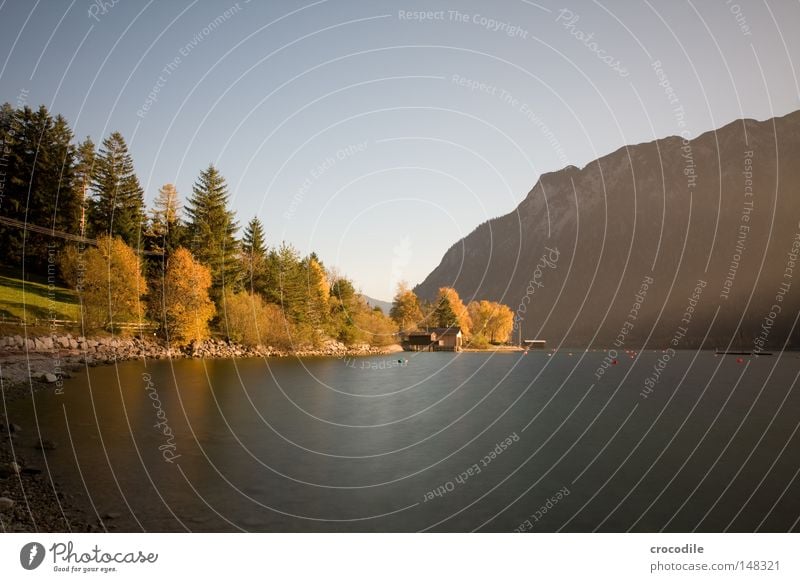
(374, 327)
(185, 306)
(494, 321)
(251, 321)
(458, 307)
(112, 284)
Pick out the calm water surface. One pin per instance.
(446, 442)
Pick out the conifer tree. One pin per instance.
(212, 227)
(254, 257)
(117, 207)
(85, 156)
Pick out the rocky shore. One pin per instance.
(30, 500)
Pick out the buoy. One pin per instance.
(739, 360)
(614, 362)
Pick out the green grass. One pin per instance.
(34, 299)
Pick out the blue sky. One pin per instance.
(378, 136)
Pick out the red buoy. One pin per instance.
(739, 360)
(614, 362)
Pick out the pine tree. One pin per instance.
(39, 187)
(443, 314)
(85, 156)
(253, 239)
(254, 257)
(213, 226)
(117, 208)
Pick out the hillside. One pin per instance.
(711, 222)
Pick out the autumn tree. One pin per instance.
(112, 284)
(85, 156)
(181, 299)
(117, 208)
(406, 311)
(449, 311)
(165, 231)
(212, 226)
(494, 321)
(373, 327)
(251, 321)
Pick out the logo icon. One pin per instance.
(31, 555)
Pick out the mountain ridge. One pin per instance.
(676, 191)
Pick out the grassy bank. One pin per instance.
(33, 300)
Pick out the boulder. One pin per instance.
(50, 378)
(6, 503)
(45, 445)
(64, 342)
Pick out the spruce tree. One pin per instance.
(212, 227)
(254, 257)
(39, 187)
(443, 315)
(117, 208)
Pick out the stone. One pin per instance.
(64, 342)
(6, 503)
(45, 445)
(73, 344)
(50, 378)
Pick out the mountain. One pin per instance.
(384, 305)
(670, 242)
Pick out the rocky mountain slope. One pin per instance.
(671, 242)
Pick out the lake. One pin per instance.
(431, 441)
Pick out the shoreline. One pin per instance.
(30, 499)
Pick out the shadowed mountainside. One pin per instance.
(720, 210)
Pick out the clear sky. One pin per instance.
(378, 136)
